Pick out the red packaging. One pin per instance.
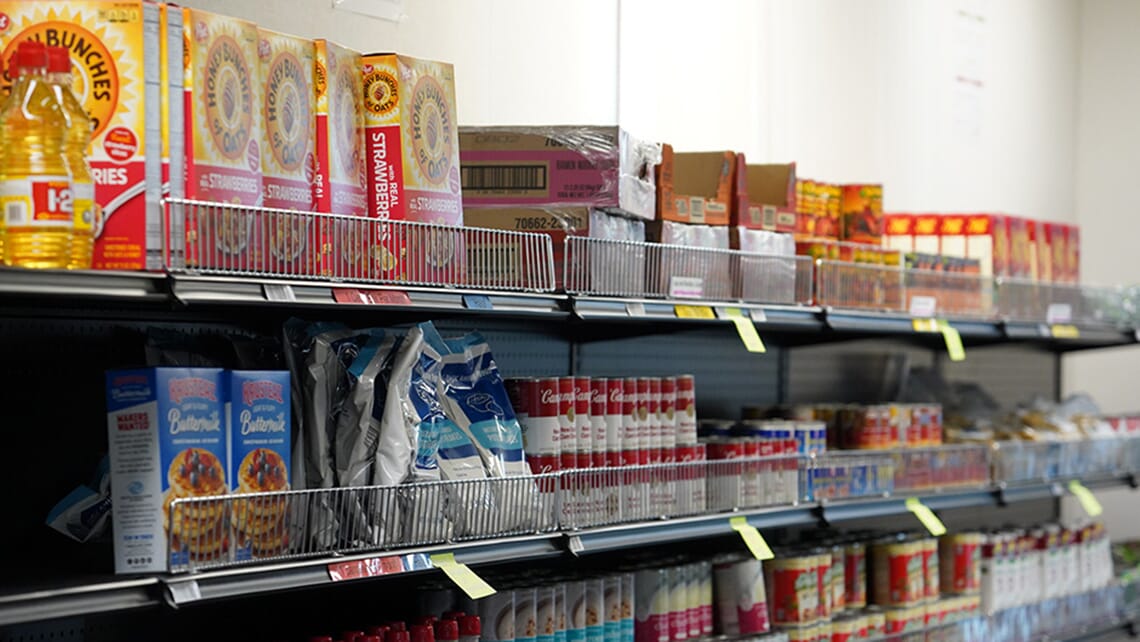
(644, 425)
(599, 404)
(793, 591)
(520, 391)
(899, 578)
(542, 432)
(652, 409)
(666, 415)
(630, 425)
(567, 428)
(685, 410)
(855, 575)
(823, 585)
(929, 548)
(583, 430)
(615, 422)
(961, 563)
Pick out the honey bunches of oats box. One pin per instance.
(165, 432)
(114, 54)
(222, 103)
(288, 161)
(340, 183)
(412, 160)
(259, 423)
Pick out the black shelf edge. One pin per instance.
(765, 316)
(1088, 337)
(80, 599)
(869, 322)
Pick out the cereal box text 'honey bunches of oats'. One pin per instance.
(113, 74)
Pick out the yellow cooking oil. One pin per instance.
(36, 215)
(76, 142)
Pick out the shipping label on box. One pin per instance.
(167, 441)
(114, 47)
(258, 425)
(222, 103)
(286, 67)
(412, 159)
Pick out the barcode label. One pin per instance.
(16, 213)
(696, 209)
(769, 213)
(503, 177)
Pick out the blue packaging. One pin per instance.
(167, 440)
(258, 416)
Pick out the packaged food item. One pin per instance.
(561, 620)
(577, 602)
(678, 603)
(595, 610)
(898, 575)
(855, 575)
(612, 608)
(286, 67)
(862, 212)
(693, 600)
(793, 584)
(602, 167)
(412, 157)
(258, 424)
(544, 610)
(339, 186)
(652, 604)
(627, 607)
(223, 111)
(742, 601)
(930, 568)
(497, 617)
(686, 410)
(695, 187)
(167, 440)
(526, 614)
(122, 106)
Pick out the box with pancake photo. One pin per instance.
(600, 267)
(222, 106)
(286, 67)
(257, 415)
(411, 153)
(695, 187)
(118, 84)
(558, 166)
(167, 441)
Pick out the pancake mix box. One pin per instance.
(258, 423)
(114, 54)
(222, 106)
(412, 159)
(286, 67)
(167, 441)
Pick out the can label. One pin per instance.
(599, 408)
(567, 427)
(794, 591)
(582, 428)
(666, 416)
(685, 410)
(37, 201)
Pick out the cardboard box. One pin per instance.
(898, 232)
(765, 197)
(286, 66)
(695, 187)
(412, 158)
(222, 93)
(119, 84)
(258, 428)
(1022, 250)
(622, 267)
(167, 440)
(926, 237)
(558, 166)
(862, 213)
(987, 240)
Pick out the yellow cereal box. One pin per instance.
(222, 102)
(288, 143)
(340, 131)
(412, 159)
(115, 63)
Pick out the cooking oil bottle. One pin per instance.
(76, 142)
(35, 186)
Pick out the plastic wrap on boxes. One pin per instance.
(682, 272)
(603, 167)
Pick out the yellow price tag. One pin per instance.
(1085, 496)
(745, 328)
(953, 341)
(926, 516)
(925, 325)
(694, 312)
(1065, 332)
(752, 538)
(474, 586)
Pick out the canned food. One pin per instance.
(843, 629)
(898, 575)
(793, 589)
(961, 563)
(855, 575)
(930, 571)
(837, 578)
(686, 410)
(742, 602)
(876, 622)
(823, 583)
(651, 595)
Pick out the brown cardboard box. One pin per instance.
(765, 196)
(695, 187)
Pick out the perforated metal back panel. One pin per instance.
(727, 376)
(521, 349)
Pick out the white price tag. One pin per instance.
(686, 287)
(758, 315)
(923, 306)
(635, 309)
(278, 292)
(1059, 313)
(182, 592)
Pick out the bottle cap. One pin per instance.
(427, 619)
(397, 636)
(422, 633)
(59, 60)
(379, 630)
(397, 625)
(351, 636)
(469, 626)
(30, 55)
(453, 615)
(447, 630)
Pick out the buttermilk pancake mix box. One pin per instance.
(167, 440)
(412, 160)
(286, 67)
(114, 54)
(222, 103)
(257, 414)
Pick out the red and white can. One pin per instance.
(567, 428)
(652, 410)
(685, 410)
(615, 412)
(644, 439)
(599, 408)
(542, 431)
(520, 391)
(583, 429)
(630, 424)
(666, 416)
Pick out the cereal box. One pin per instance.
(898, 232)
(952, 230)
(862, 213)
(222, 103)
(926, 238)
(288, 140)
(167, 441)
(412, 159)
(172, 118)
(113, 46)
(987, 240)
(258, 423)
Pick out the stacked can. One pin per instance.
(960, 556)
(635, 494)
(741, 596)
(586, 488)
(605, 483)
(569, 448)
(542, 432)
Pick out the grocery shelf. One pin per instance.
(79, 597)
(87, 285)
(780, 317)
(1067, 337)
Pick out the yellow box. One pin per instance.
(288, 137)
(340, 131)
